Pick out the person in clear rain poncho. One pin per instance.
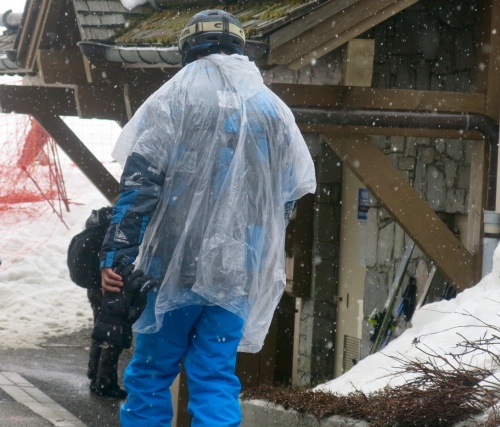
(212, 163)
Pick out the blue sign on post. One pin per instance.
(363, 204)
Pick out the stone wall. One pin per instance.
(429, 46)
(439, 170)
(325, 71)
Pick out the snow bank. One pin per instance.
(37, 298)
(438, 327)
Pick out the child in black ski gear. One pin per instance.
(83, 265)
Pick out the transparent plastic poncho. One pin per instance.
(232, 157)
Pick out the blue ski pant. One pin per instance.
(206, 338)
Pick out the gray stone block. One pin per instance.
(283, 74)
(427, 155)
(369, 237)
(399, 242)
(258, 413)
(385, 244)
(319, 72)
(383, 217)
(305, 76)
(420, 182)
(376, 290)
(406, 163)
(454, 148)
(380, 141)
(397, 144)
(422, 140)
(393, 159)
(411, 146)
(440, 145)
(450, 172)
(436, 190)
(455, 201)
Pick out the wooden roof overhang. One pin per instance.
(295, 36)
(328, 27)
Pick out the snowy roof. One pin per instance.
(109, 19)
(104, 20)
(293, 33)
(147, 34)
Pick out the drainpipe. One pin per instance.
(413, 120)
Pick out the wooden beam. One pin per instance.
(32, 99)
(101, 101)
(101, 71)
(86, 101)
(79, 153)
(406, 207)
(61, 67)
(39, 24)
(357, 68)
(308, 22)
(26, 35)
(332, 30)
(134, 95)
(488, 37)
(367, 130)
(488, 73)
(353, 32)
(478, 190)
(295, 95)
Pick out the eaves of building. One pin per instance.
(293, 33)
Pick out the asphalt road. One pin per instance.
(57, 371)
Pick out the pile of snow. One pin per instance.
(130, 4)
(437, 328)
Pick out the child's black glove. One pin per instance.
(119, 311)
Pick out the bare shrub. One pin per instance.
(440, 390)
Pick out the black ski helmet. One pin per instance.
(211, 31)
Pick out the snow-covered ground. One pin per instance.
(37, 297)
(38, 300)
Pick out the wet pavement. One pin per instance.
(48, 386)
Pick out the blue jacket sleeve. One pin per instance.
(140, 188)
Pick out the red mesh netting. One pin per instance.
(29, 169)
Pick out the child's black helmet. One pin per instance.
(211, 31)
